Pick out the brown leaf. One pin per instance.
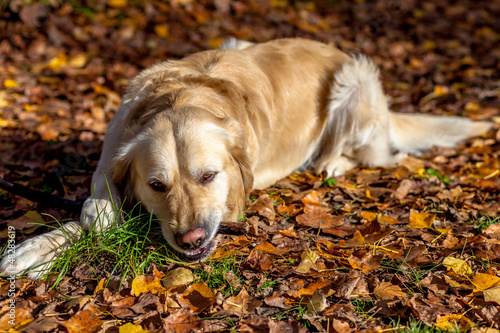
(259, 261)
(264, 206)
(197, 297)
(83, 321)
(317, 303)
(23, 312)
(184, 320)
(388, 291)
(404, 188)
(278, 300)
(319, 219)
(243, 302)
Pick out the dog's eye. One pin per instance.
(157, 186)
(208, 176)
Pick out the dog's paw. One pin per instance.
(336, 167)
(98, 214)
(36, 255)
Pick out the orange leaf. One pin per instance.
(421, 220)
(146, 283)
(83, 322)
(387, 291)
(197, 297)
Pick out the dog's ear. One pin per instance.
(243, 161)
(123, 173)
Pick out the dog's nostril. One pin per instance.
(192, 239)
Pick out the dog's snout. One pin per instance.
(192, 239)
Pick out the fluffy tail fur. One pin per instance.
(412, 133)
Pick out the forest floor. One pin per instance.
(408, 249)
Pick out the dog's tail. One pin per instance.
(236, 44)
(412, 133)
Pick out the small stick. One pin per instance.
(43, 198)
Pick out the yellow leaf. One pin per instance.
(162, 30)
(78, 61)
(470, 106)
(369, 216)
(3, 98)
(492, 295)
(453, 322)
(9, 83)
(58, 61)
(441, 91)
(421, 220)
(117, 3)
(388, 291)
(279, 3)
(146, 283)
(483, 281)
(459, 266)
(131, 328)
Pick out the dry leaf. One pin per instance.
(243, 302)
(83, 322)
(176, 277)
(453, 322)
(492, 295)
(459, 266)
(388, 291)
(421, 220)
(197, 297)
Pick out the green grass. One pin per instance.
(363, 306)
(434, 172)
(485, 221)
(212, 273)
(128, 249)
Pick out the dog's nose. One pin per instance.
(192, 239)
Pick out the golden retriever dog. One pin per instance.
(194, 136)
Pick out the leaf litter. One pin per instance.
(360, 252)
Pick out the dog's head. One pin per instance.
(184, 158)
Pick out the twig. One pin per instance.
(40, 197)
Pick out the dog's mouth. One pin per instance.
(200, 253)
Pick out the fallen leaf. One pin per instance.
(184, 320)
(197, 297)
(492, 295)
(317, 303)
(243, 302)
(131, 328)
(388, 291)
(146, 283)
(263, 206)
(454, 322)
(459, 266)
(309, 258)
(421, 220)
(83, 322)
(483, 281)
(176, 277)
